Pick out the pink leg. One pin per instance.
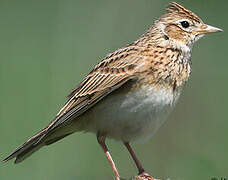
(101, 141)
(138, 164)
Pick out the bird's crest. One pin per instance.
(175, 8)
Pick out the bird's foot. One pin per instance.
(144, 176)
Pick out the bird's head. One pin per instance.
(181, 26)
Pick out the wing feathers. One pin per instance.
(98, 83)
(111, 73)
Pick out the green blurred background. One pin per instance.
(48, 46)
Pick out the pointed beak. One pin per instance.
(205, 29)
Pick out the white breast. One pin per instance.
(133, 115)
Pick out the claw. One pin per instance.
(145, 176)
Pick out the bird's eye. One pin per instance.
(185, 24)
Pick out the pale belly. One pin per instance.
(129, 116)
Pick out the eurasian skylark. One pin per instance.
(129, 94)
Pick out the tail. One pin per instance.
(32, 145)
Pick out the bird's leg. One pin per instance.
(138, 164)
(142, 174)
(101, 141)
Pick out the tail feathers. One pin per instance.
(27, 152)
(33, 145)
(53, 140)
(26, 149)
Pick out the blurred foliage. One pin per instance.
(46, 49)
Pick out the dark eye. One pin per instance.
(185, 24)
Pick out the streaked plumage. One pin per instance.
(129, 94)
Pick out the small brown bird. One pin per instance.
(129, 94)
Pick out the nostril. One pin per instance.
(204, 26)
